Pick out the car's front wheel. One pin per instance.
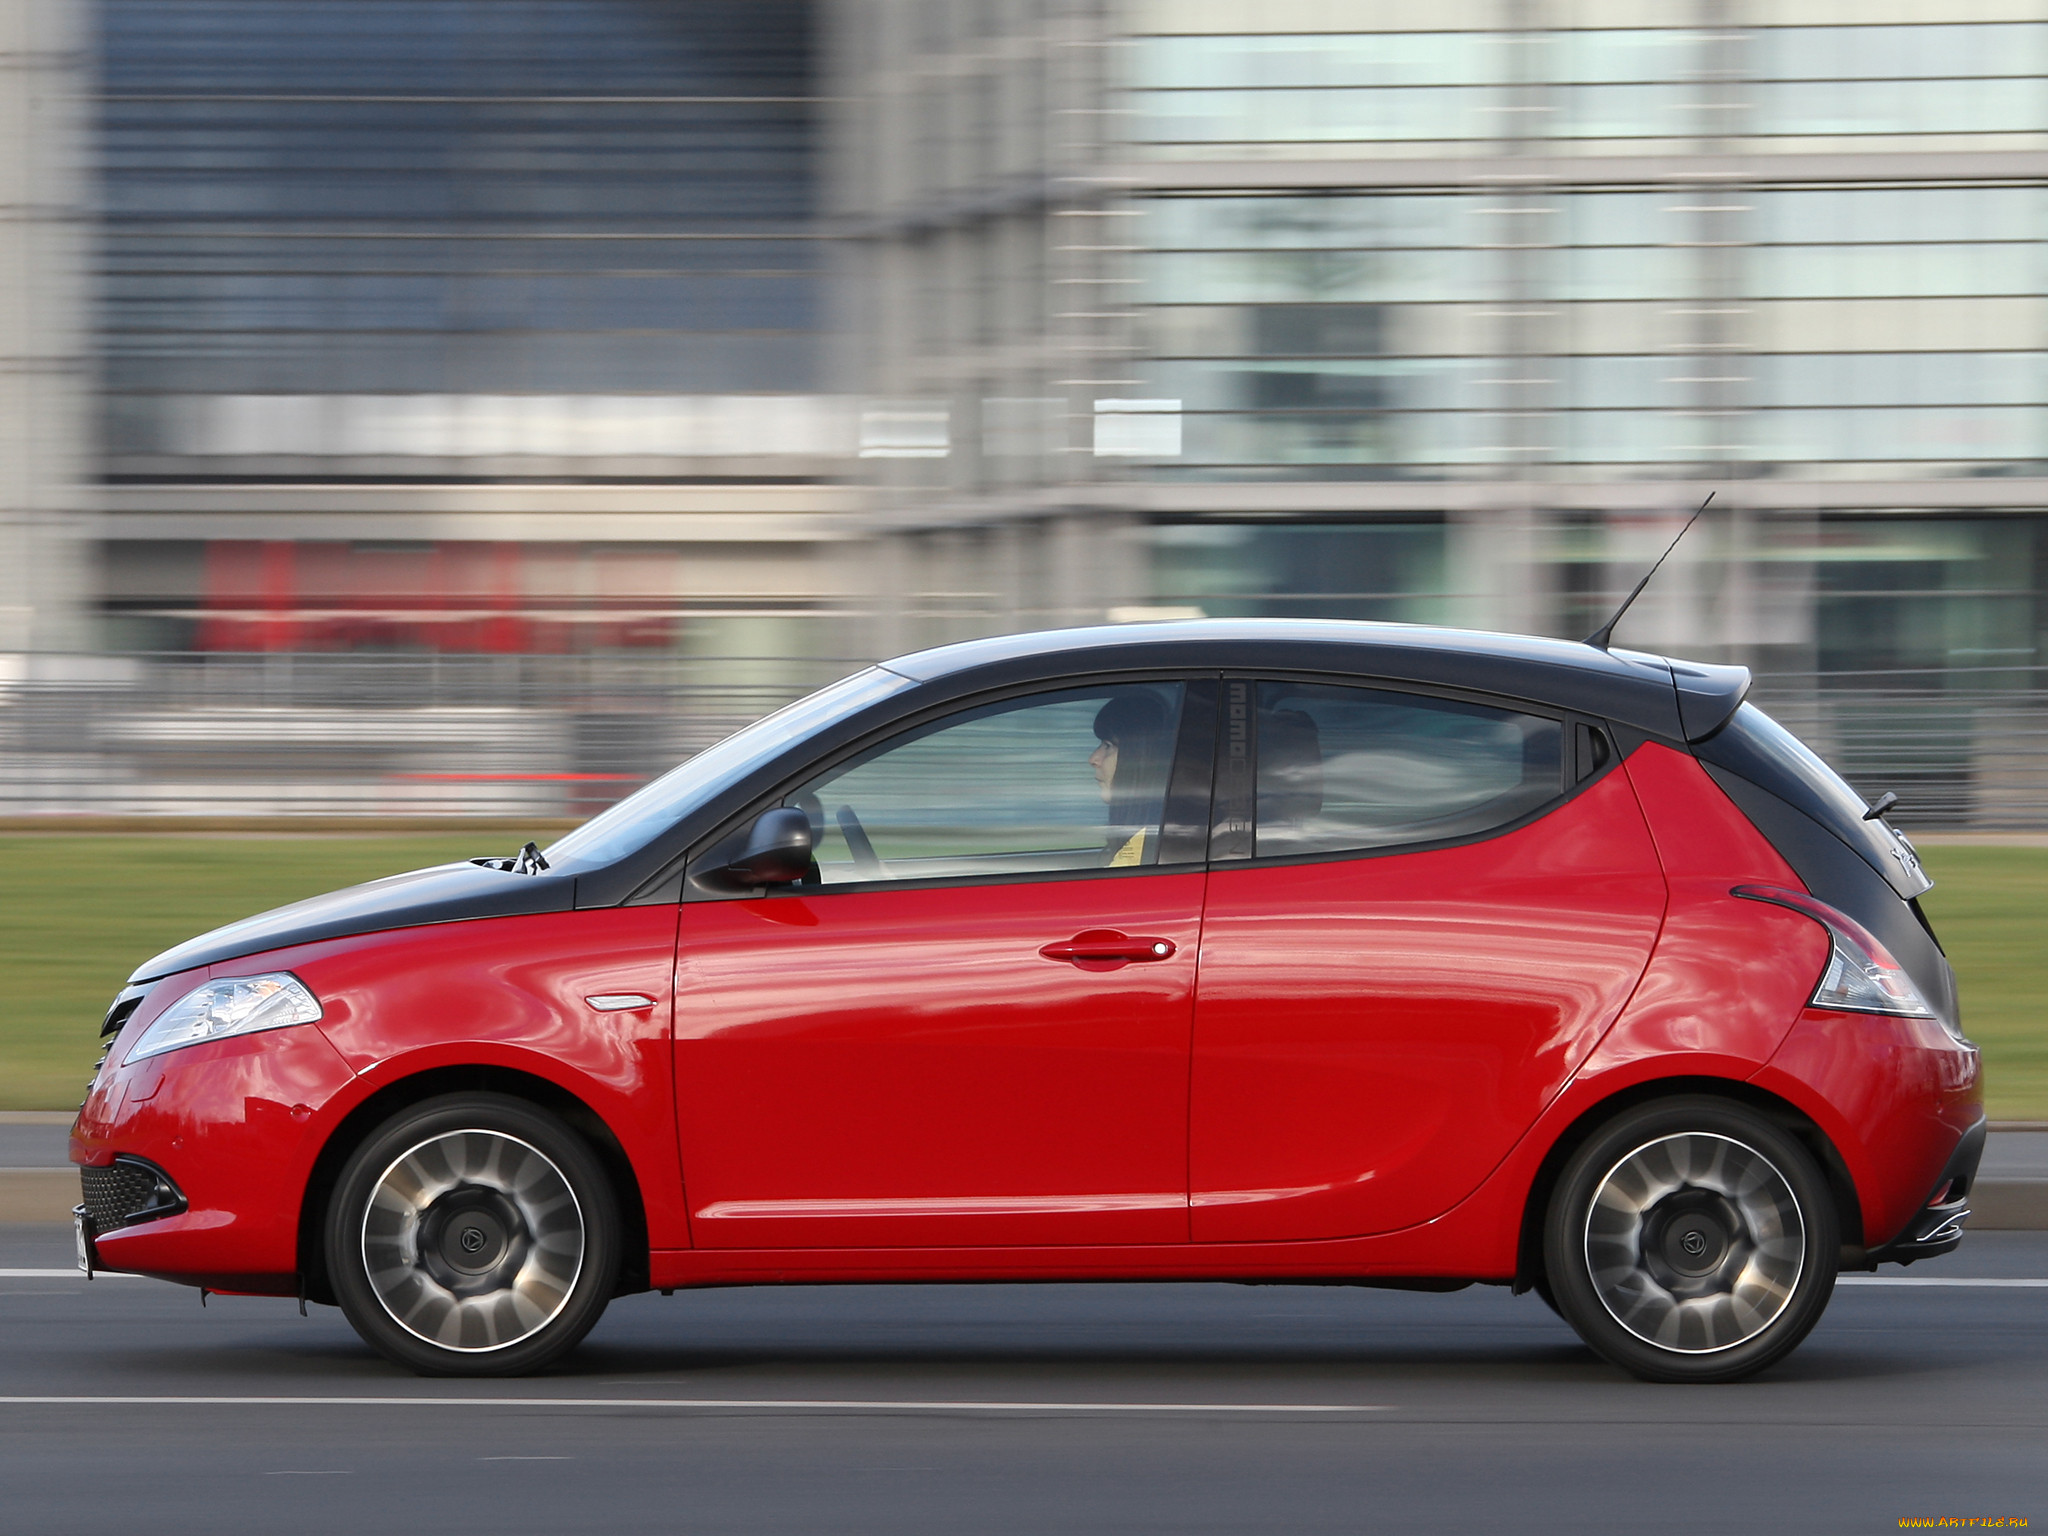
(473, 1235)
(1692, 1240)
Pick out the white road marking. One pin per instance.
(795, 1404)
(2029, 1284)
(67, 1274)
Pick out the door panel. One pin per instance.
(1373, 1034)
(878, 1067)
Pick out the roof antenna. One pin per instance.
(1601, 636)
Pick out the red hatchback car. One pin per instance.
(1260, 951)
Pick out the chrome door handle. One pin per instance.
(1109, 945)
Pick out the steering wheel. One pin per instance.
(857, 844)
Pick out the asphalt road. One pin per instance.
(1169, 1409)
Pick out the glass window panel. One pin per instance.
(284, 177)
(1899, 592)
(1333, 59)
(1644, 111)
(1632, 436)
(1322, 385)
(1594, 272)
(1625, 57)
(1621, 218)
(1879, 271)
(1278, 440)
(1069, 780)
(1615, 383)
(1897, 107)
(1359, 768)
(1290, 223)
(1271, 277)
(1387, 571)
(1931, 434)
(1898, 52)
(1894, 215)
(1899, 378)
(1311, 116)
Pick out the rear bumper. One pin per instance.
(1900, 1099)
(1939, 1226)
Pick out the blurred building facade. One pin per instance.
(434, 325)
(46, 403)
(596, 361)
(1455, 312)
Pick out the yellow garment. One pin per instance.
(1132, 852)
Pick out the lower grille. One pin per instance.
(127, 1191)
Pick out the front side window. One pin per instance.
(1055, 781)
(1358, 768)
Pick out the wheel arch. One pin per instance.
(360, 1122)
(1782, 1112)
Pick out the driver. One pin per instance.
(1130, 766)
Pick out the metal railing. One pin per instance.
(545, 736)
(1962, 748)
(354, 734)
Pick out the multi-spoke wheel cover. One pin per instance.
(473, 1240)
(1695, 1242)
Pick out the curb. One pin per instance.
(38, 1194)
(2008, 1205)
(1997, 1205)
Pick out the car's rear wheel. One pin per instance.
(473, 1235)
(1692, 1240)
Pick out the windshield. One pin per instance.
(644, 815)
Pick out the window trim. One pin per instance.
(1188, 790)
(1571, 784)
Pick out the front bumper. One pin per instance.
(126, 1192)
(194, 1163)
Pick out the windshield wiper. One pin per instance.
(529, 860)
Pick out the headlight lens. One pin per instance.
(232, 1005)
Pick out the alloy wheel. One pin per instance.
(1695, 1242)
(472, 1240)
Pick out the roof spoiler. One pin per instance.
(1708, 695)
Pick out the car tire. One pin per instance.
(473, 1235)
(1692, 1240)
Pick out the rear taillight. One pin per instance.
(1861, 975)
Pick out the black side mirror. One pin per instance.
(778, 850)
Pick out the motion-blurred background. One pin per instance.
(410, 402)
(468, 407)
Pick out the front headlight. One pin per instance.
(233, 1005)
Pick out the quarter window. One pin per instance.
(1356, 768)
(1056, 781)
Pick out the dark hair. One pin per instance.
(1140, 727)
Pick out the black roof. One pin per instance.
(1680, 700)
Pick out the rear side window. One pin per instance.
(1344, 768)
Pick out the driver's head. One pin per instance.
(1134, 730)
